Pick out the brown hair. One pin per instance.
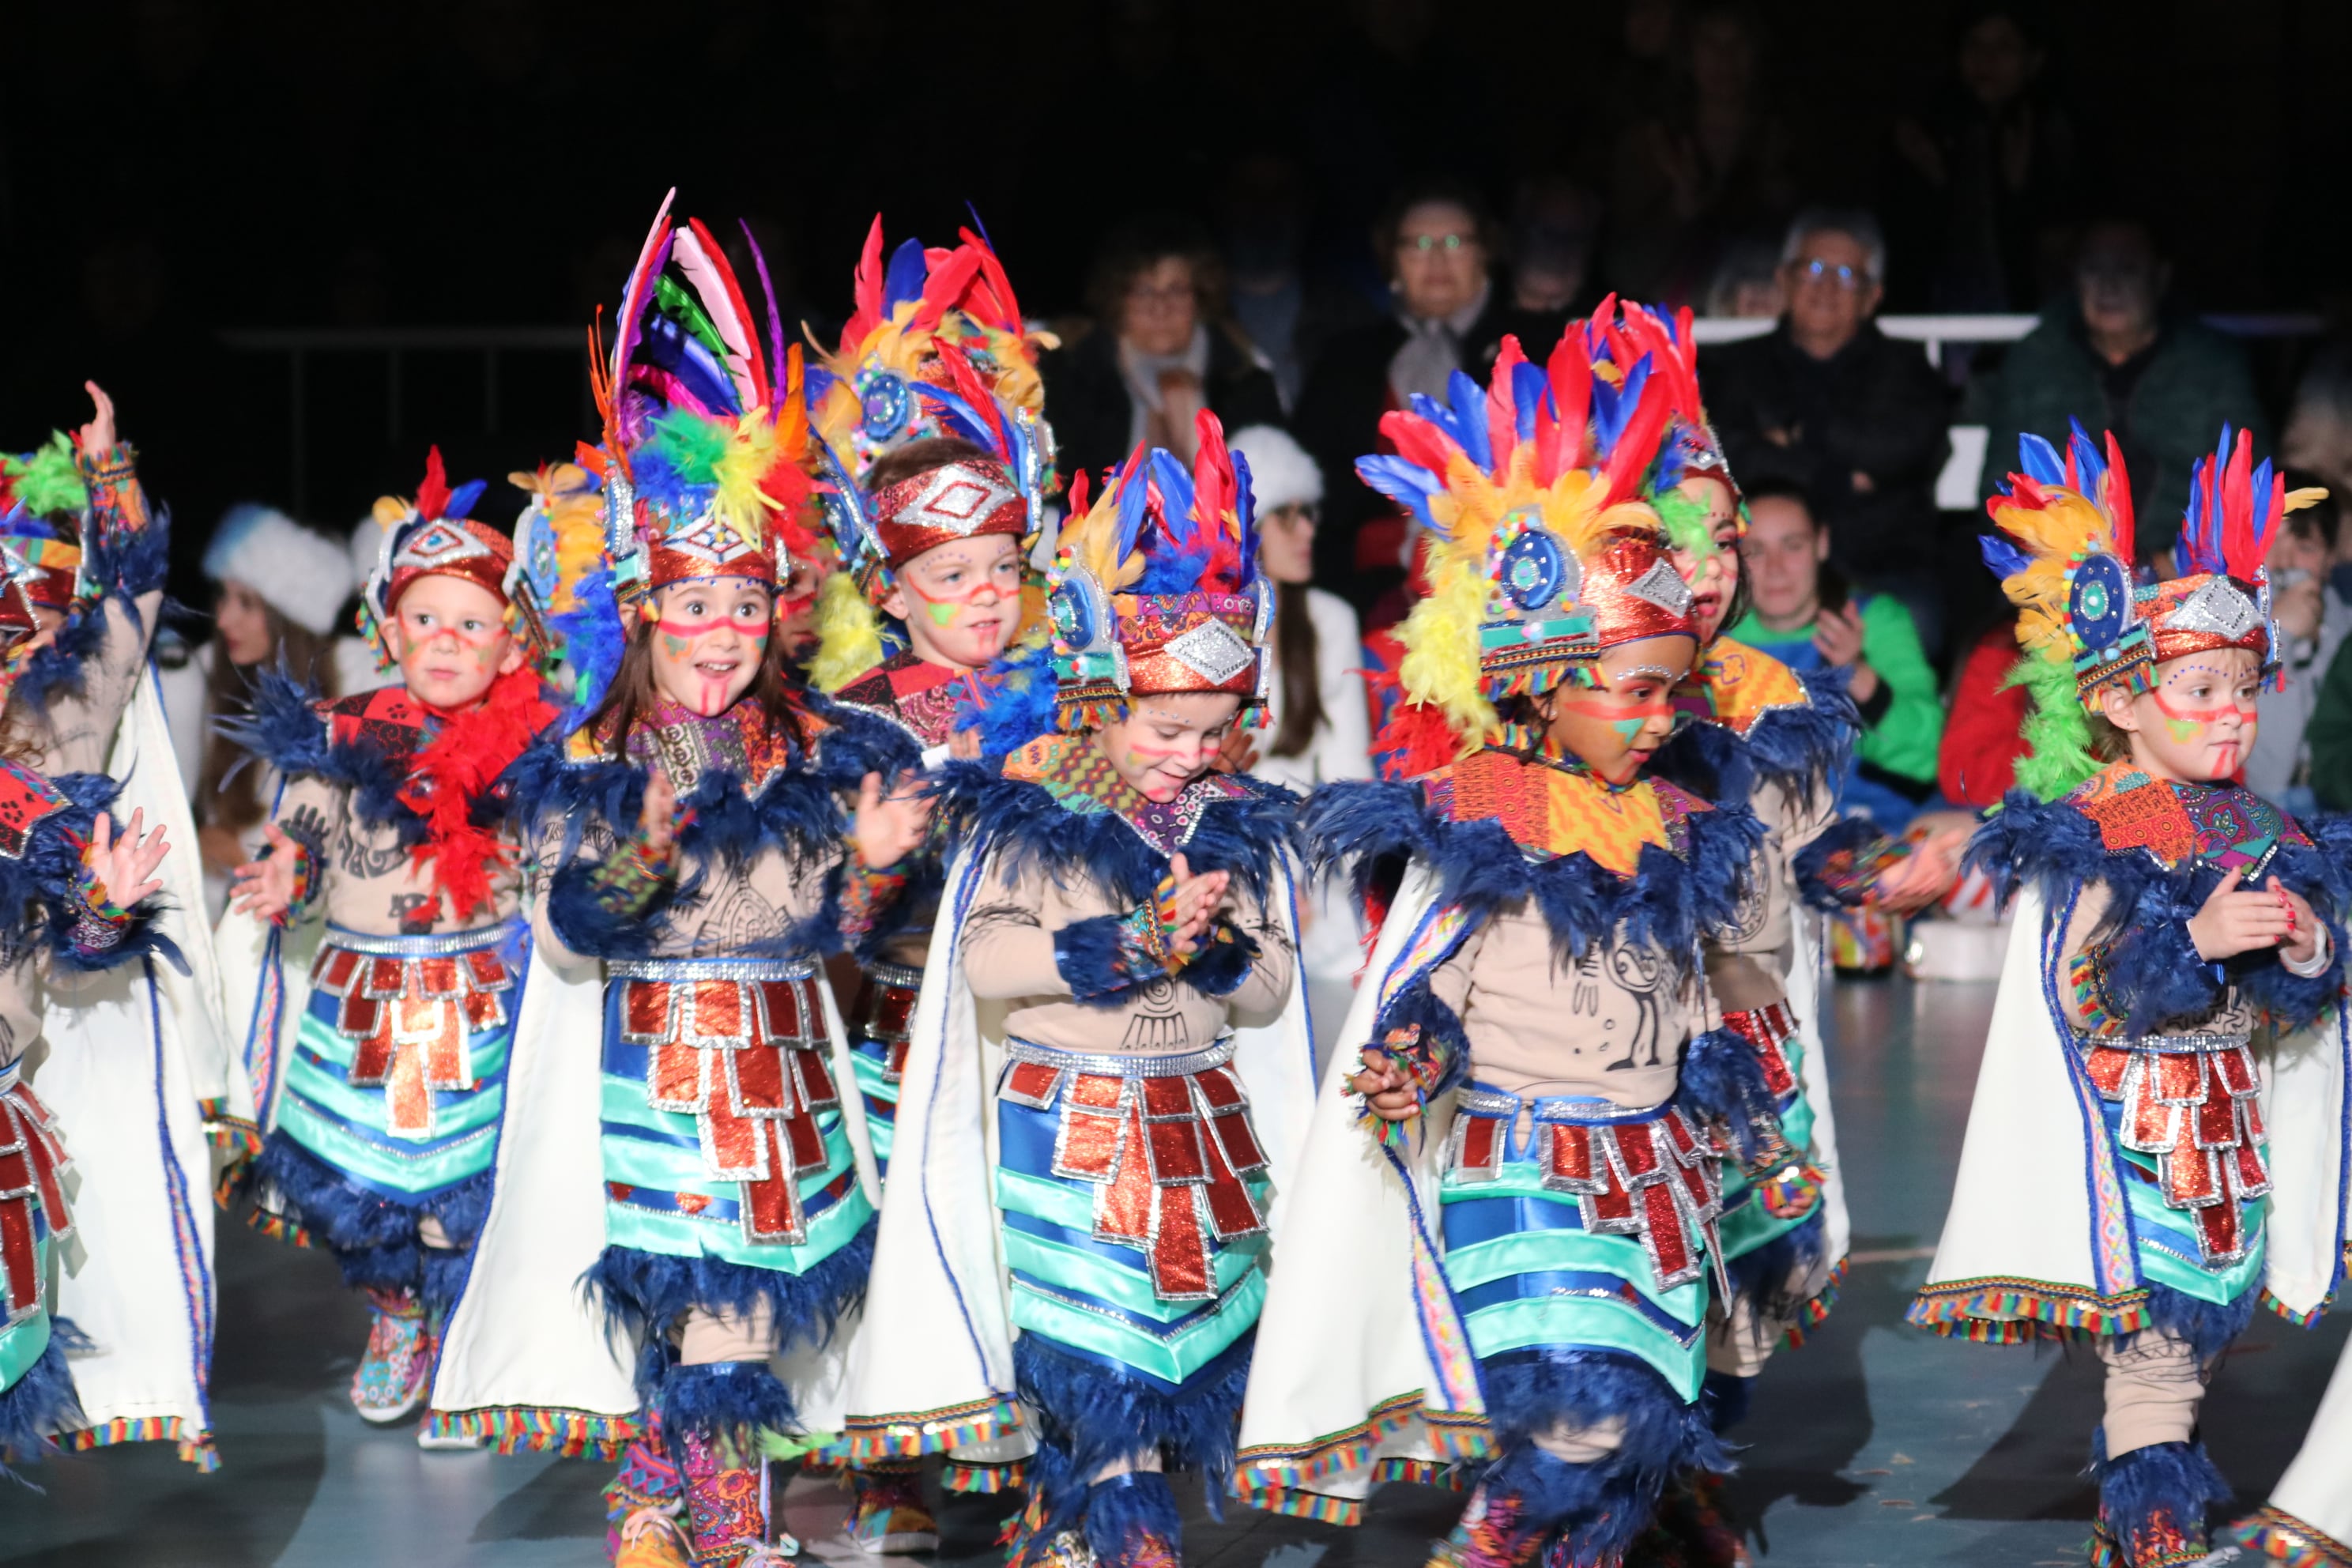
(921, 457)
(1296, 653)
(1142, 243)
(633, 693)
(228, 795)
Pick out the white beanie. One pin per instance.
(1281, 473)
(304, 576)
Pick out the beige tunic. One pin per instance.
(1008, 954)
(1744, 965)
(1610, 1025)
(367, 880)
(2235, 1015)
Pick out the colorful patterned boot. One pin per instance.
(391, 1382)
(2152, 1505)
(727, 1507)
(642, 1505)
(1491, 1533)
(890, 1515)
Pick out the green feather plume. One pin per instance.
(1685, 522)
(46, 481)
(691, 444)
(2057, 731)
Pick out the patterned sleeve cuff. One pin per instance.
(99, 923)
(626, 882)
(2088, 974)
(112, 478)
(1842, 868)
(868, 895)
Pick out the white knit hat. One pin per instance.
(1281, 473)
(304, 576)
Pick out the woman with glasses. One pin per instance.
(1162, 348)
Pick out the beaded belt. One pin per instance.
(886, 1007)
(1767, 1029)
(409, 1004)
(1653, 1173)
(2189, 1101)
(1165, 1142)
(32, 1166)
(740, 1045)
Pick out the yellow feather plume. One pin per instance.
(565, 494)
(2056, 536)
(848, 634)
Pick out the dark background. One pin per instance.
(171, 169)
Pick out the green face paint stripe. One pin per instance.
(940, 613)
(1627, 728)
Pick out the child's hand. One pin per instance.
(125, 867)
(1386, 1089)
(2238, 919)
(657, 818)
(1196, 900)
(890, 827)
(98, 435)
(265, 889)
(2302, 944)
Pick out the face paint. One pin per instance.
(687, 642)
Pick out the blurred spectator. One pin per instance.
(1161, 349)
(2312, 619)
(1288, 316)
(1800, 612)
(1438, 243)
(1986, 169)
(279, 589)
(1854, 418)
(1708, 160)
(1316, 705)
(1746, 283)
(1984, 732)
(2114, 357)
(2319, 427)
(1554, 222)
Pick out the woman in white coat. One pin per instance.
(1318, 724)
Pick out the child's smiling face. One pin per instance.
(708, 637)
(451, 638)
(1168, 741)
(2197, 723)
(960, 601)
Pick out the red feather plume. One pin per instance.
(434, 493)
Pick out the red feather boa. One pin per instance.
(453, 770)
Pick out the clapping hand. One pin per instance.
(891, 826)
(1387, 1088)
(1196, 901)
(125, 867)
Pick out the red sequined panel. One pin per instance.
(2196, 1113)
(1166, 1156)
(884, 1012)
(746, 1058)
(1660, 1179)
(411, 1021)
(32, 1164)
(1765, 1029)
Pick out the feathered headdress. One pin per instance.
(704, 449)
(1155, 587)
(435, 535)
(44, 510)
(1544, 552)
(937, 346)
(1621, 336)
(559, 546)
(2083, 623)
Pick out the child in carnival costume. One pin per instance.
(383, 931)
(703, 833)
(935, 466)
(1110, 1063)
(2157, 1138)
(1779, 739)
(1514, 1192)
(80, 582)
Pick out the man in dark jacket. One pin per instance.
(1855, 419)
(1163, 350)
(2111, 356)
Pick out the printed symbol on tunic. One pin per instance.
(355, 855)
(1754, 904)
(1640, 972)
(1157, 1023)
(416, 913)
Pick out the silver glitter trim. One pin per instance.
(374, 945)
(2218, 608)
(1103, 1063)
(711, 968)
(1664, 586)
(901, 975)
(1214, 650)
(2167, 1045)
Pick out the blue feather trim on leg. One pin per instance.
(2160, 1492)
(38, 1405)
(724, 1399)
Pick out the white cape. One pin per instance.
(1807, 1002)
(130, 1055)
(528, 1360)
(934, 1368)
(2022, 1217)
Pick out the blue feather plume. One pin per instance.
(2040, 459)
(905, 278)
(2005, 559)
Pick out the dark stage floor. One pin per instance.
(1874, 1444)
